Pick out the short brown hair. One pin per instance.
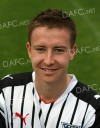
(52, 18)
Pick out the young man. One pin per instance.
(49, 97)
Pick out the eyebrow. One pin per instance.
(35, 46)
(64, 47)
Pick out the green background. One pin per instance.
(13, 39)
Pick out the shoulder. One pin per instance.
(87, 94)
(15, 80)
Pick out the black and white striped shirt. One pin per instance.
(21, 107)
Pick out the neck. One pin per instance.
(51, 91)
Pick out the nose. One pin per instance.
(49, 58)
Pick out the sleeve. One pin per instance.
(97, 120)
(2, 113)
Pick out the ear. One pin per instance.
(73, 52)
(28, 47)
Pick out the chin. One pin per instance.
(49, 80)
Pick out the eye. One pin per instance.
(40, 49)
(59, 50)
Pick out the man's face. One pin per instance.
(50, 53)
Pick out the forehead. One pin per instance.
(52, 35)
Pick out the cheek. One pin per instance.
(36, 59)
(63, 60)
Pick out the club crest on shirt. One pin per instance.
(67, 125)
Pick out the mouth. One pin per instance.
(49, 70)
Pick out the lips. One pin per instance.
(48, 70)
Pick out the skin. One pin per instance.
(50, 53)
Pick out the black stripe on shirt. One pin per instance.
(1, 110)
(11, 106)
(74, 111)
(33, 113)
(48, 114)
(61, 111)
(6, 110)
(40, 112)
(22, 106)
(2, 122)
(84, 115)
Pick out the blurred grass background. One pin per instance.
(86, 66)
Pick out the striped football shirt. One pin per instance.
(21, 106)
